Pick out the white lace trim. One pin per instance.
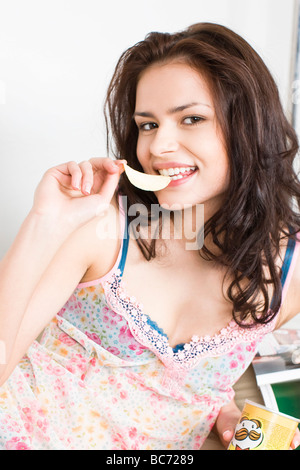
(199, 347)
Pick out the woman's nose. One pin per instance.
(164, 141)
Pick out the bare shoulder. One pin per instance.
(101, 241)
(291, 304)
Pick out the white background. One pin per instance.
(57, 56)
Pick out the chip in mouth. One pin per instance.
(146, 182)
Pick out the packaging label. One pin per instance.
(261, 429)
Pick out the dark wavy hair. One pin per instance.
(261, 205)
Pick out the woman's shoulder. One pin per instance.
(101, 239)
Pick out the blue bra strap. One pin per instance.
(124, 247)
(287, 260)
(286, 263)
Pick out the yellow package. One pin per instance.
(262, 429)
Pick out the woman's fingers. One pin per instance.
(87, 179)
(296, 440)
(67, 174)
(226, 421)
(74, 171)
(83, 174)
(107, 165)
(106, 174)
(95, 176)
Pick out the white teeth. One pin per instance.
(176, 173)
(176, 177)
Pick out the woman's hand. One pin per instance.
(75, 192)
(227, 420)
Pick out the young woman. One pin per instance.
(152, 332)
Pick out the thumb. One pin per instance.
(227, 436)
(226, 422)
(226, 428)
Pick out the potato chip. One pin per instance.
(145, 181)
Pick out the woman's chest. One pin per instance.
(181, 295)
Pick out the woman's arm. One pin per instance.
(59, 281)
(61, 207)
(20, 271)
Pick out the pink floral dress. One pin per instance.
(104, 376)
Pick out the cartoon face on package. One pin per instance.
(248, 434)
(263, 429)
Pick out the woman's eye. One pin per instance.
(147, 126)
(192, 120)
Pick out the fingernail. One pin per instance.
(87, 188)
(295, 444)
(116, 165)
(227, 435)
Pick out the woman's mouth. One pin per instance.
(178, 175)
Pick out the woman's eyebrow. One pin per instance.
(174, 110)
(177, 109)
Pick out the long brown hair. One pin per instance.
(260, 207)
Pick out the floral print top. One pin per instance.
(103, 376)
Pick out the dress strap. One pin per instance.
(287, 260)
(125, 243)
(288, 265)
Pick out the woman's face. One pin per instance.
(179, 135)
